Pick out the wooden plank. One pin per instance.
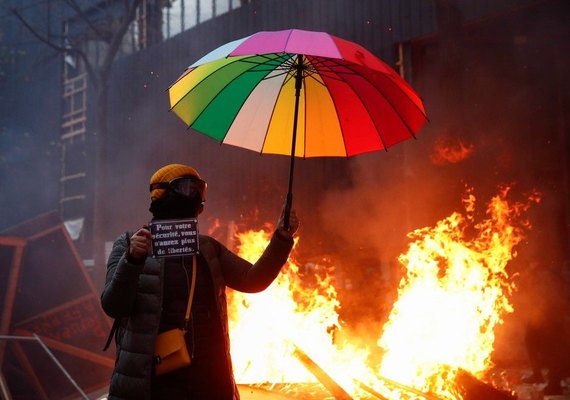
(334, 388)
(370, 390)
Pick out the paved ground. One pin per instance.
(275, 392)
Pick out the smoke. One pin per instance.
(500, 120)
(25, 165)
(371, 212)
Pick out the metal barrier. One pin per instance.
(4, 388)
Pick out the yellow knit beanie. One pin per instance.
(168, 173)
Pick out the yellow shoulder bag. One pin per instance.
(170, 351)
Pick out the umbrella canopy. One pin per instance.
(297, 93)
(351, 102)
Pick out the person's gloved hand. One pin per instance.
(139, 245)
(293, 224)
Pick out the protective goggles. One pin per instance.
(183, 185)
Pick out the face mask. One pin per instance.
(176, 206)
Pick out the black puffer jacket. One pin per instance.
(133, 294)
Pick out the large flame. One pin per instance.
(268, 327)
(454, 293)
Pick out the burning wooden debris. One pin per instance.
(455, 291)
(333, 387)
(472, 388)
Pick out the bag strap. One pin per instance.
(111, 334)
(190, 294)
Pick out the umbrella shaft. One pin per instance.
(298, 85)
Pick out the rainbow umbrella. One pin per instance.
(297, 93)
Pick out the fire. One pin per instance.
(260, 323)
(451, 152)
(266, 328)
(454, 293)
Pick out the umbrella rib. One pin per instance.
(383, 75)
(334, 75)
(199, 83)
(340, 78)
(289, 76)
(329, 64)
(398, 112)
(287, 66)
(276, 75)
(285, 81)
(233, 61)
(271, 118)
(329, 72)
(281, 63)
(216, 96)
(352, 72)
(276, 61)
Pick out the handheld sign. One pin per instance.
(174, 237)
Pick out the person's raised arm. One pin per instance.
(246, 277)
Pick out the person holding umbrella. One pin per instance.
(151, 296)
